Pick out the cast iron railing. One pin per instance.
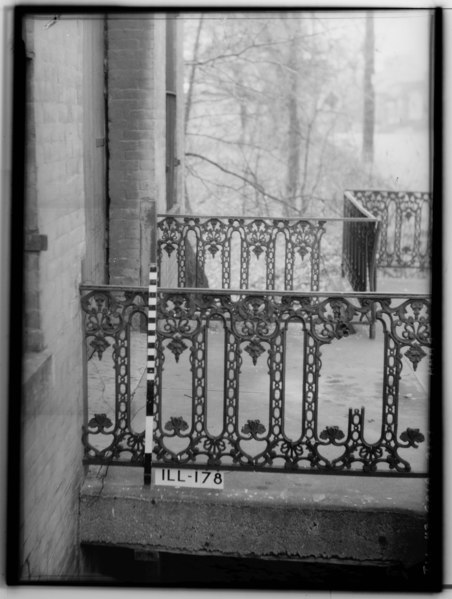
(359, 246)
(256, 327)
(406, 218)
(286, 253)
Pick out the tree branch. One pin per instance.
(256, 186)
(252, 46)
(192, 76)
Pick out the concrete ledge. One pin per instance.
(276, 516)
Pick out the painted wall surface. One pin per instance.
(64, 197)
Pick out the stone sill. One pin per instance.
(340, 519)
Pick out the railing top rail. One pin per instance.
(377, 190)
(358, 206)
(275, 218)
(254, 292)
(133, 288)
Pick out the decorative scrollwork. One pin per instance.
(255, 349)
(258, 236)
(176, 424)
(415, 354)
(370, 453)
(99, 344)
(100, 421)
(253, 428)
(135, 443)
(103, 318)
(332, 434)
(213, 235)
(177, 346)
(214, 446)
(344, 329)
(412, 436)
(170, 234)
(292, 451)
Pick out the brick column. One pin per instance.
(136, 125)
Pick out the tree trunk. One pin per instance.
(369, 93)
(293, 132)
(192, 75)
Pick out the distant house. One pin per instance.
(402, 97)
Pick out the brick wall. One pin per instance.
(66, 201)
(168, 270)
(94, 268)
(62, 57)
(137, 140)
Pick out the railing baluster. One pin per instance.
(231, 382)
(289, 266)
(310, 388)
(270, 263)
(199, 381)
(181, 257)
(226, 262)
(276, 364)
(244, 263)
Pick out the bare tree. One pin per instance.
(263, 109)
(369, 94)
(192, 74)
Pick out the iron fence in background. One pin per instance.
(359, 245)
(270, 253)
(406, 225)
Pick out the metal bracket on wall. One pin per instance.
(34, 242)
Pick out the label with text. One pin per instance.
(177, 477)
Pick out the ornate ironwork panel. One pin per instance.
(255, 326)
(406, 219)
(258, 237)
(253, 321)
(107, 321)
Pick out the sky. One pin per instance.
(406, 34)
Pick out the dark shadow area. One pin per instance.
(118, 566)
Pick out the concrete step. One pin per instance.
(322, 518)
